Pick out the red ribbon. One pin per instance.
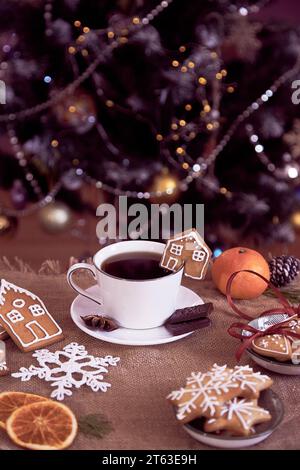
(287, 307)
(279, 329)
(236, 328)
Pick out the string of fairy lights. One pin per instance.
(209, 119)
(9, 118)
(202, 165)
(71, 87)
(291, 169)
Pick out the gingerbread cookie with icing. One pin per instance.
(296, 352)
(188, 249)
(205, 393)
(251, 383)
(293, 326)
(276, 346)
(24, 316)
(238, 416)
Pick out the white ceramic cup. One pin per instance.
(133, 304)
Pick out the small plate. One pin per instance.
(268, 400)
(262, 323)
(82, 306)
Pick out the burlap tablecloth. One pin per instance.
(135, 405)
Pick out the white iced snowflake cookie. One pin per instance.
(71, 367)
(24, 316)
(205, 393)
(251, 383)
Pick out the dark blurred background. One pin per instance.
(151, 114)
(282, 10)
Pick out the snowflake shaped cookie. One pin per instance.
(71, 367)
(251, 383)
(238, 416)
(205, 393)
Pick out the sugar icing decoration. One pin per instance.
(273, 343)
(204, 391)
(70, 368)
(209, 386)
(244, 410)
(247, 378)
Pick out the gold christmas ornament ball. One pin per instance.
(8, 225)
(4, 223)
(295, 220)
(166, 187)
(77, 111)
(56, 217)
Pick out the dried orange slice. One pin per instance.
(46, 425)
(10, 401)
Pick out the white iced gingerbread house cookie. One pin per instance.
(26, 319)
(188, 248)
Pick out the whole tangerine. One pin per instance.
(245, 285)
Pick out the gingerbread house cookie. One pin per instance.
(26, 319)
(190, 249)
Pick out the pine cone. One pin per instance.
(283, 270)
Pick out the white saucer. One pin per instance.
(82, 306)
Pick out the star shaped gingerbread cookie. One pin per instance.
(238, 416)
(205, 393)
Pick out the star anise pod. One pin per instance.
(100, 322)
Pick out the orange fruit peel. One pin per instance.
(45, 425)
(11, 401)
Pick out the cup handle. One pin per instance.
(75, 286)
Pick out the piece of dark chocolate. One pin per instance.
(190, 313)
(177, 329)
